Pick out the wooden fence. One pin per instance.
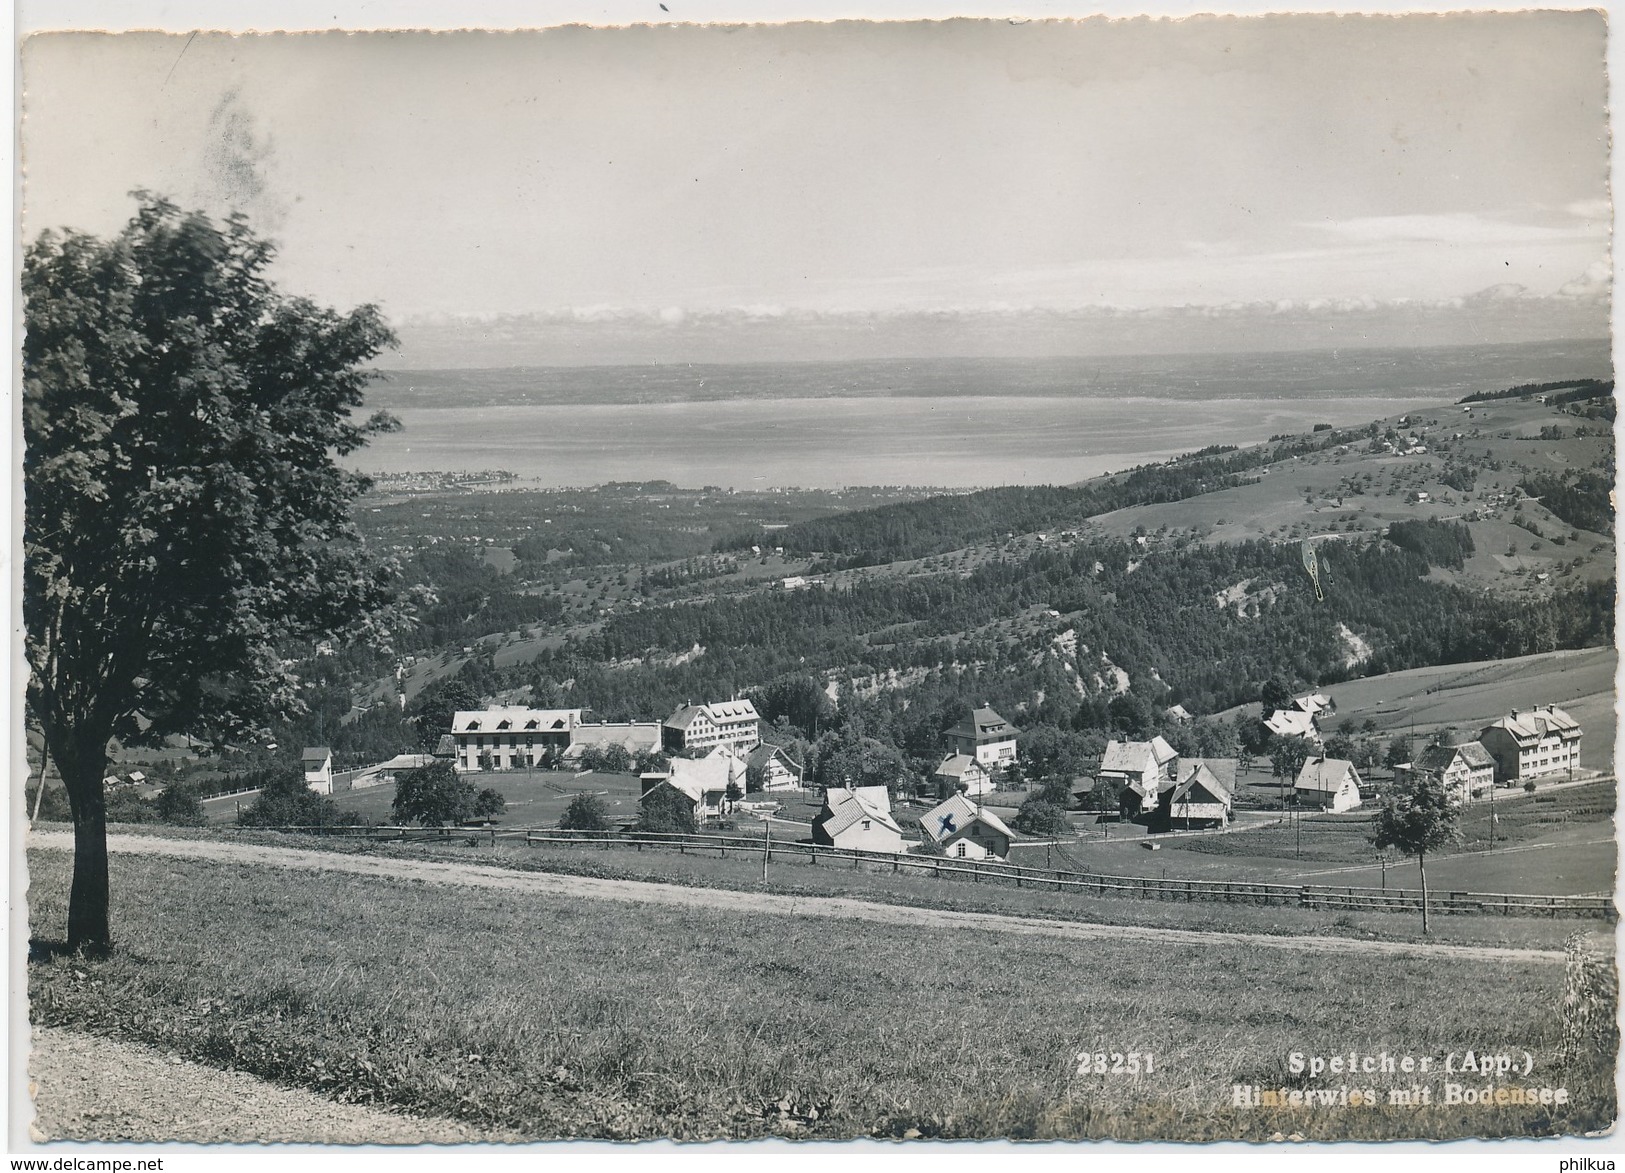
(1348, 898)
(1096, 884)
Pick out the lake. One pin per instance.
(945, 422)
(832, 443)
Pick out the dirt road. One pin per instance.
(90, 1088)
(832, 907)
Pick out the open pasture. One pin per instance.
(574, 1017)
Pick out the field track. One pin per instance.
(831, 907)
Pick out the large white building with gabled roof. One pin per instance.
(510, 737)
(731, 723)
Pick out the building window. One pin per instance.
(961, 851)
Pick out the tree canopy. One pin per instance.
(184, 513)
(437, 796)
(1416, 817)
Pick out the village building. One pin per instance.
(703, 781)
(513, 737)
(1533, 743)
(635, 736)
(1301, 718)
(317, 762)
(966, 831)
(510, 737)
(958, 773)
(859, 819)
(1331, 784)
(1140, 768)
(769, 768)
(733, 723)
(1197, 799)
(1466, 770)
(985, 736)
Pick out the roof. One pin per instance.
(1199, 785)
(514, 719)
(765, 752)
(446, 747)
(953, 815)
(1291, 723)
(1313, 702)
(719, 713)
(983, 722)
(845, 808)
(957, 765)
(1326, 775)
(1137, 757)
(315, 753)
(1440, 757)
(1224, 769)
(1534, 724)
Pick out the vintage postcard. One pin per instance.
(919, 580)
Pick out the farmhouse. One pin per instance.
(511, 736)
(1140, 768)
(1301, 718)
(985, 736)
(966, 831)
(769, 768)
(1197, 798)
(1533, 743)
(733, 723)
(1467, 770)
(317, 761)
(858, 818)
(1332, 784)
(703, 781)
(957, 773)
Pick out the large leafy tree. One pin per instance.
(185, 515)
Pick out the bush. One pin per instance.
(286, 801)
(178, 805)
(1038, 816)
(667, 811)
(585, 813)
(436, 796)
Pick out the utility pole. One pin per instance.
(767, 845)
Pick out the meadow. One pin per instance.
(580, 1018)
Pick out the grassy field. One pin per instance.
(577, 1018)
(794, 875)
(1310, 497)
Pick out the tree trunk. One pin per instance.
(83, 767)
(1421, 866)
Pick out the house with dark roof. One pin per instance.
(1332, 784)
(732, 723)
(985, 736)
(965, 830)
(959, 773)
(1467, 770)
(858, 818)
(769, 768)
(1197, 799)
(1533, 743)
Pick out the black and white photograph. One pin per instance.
(649, 578)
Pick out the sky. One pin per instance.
(690, 192)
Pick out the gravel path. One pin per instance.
(90, 1088)
(832, 907)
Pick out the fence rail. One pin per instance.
(1098, 884)
(1341, 897)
